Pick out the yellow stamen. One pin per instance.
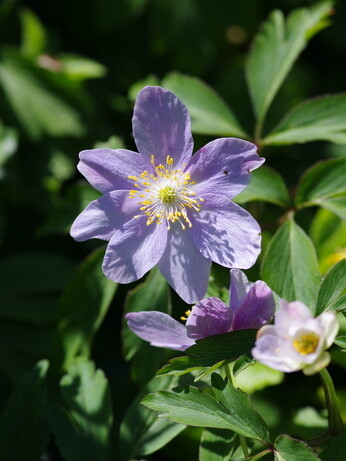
(187, 313)
(306, 343)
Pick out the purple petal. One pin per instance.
(239, 287)
(159, 329)
(256, 309)
(209, 317)
(224, 166)
(226, 233)
(133, 250)
(161, 126)
(183, 266)
(108, 169)
(102, 217)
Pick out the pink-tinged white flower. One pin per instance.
(166, 207)
(297, 340)
(251, 306)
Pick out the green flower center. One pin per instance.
(167, 195)
(306, 343)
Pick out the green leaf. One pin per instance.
(289, 449)
(276, 48)
(141, 432)
(79, 68)
(322, 118)
(266, 185)
(322, 185)
(181, 365)
(228, 346)
(332, 287)
(151, 295)
(340, 341)
(82, 429)
(33, 34)
(8, 146)
(193, 407)
(336, 449)
(151, 80)
(290, 265)
(37, 107)
(246, 420)
(209, 113)
(83, 307)
(24, 433)
(216, 445)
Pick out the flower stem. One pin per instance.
(335, 423)
(243, 445)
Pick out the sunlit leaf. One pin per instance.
(290, 265)
(332, 287)
(322, 118)
(209, 113)
(266, 185)
(33, 34)
(276, 48)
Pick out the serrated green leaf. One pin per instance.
(141, 432)
(82, 428)
(247, 421)
(38, 108)
(322, 118)
(181, 365)
(266, 185)
(216, 445)
(83, 306)
(289, 449)
(229, 346)
(151, 295)
(331, 287)
(290, 265)
(24, 432)
(276, 48)
(324, 185)
(193, 407)
(209, 113)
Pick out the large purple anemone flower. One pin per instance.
(166, 207)
(251, 305)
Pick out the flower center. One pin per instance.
(306, 343)
(165, 195)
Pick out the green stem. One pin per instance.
(228, 370)
(243, 445)
(335, 423)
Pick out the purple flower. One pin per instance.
(297, 341)
(251, 306)
(166, 207)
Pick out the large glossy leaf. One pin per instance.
(38, 108)
(290, 265)
(82, 426)
(24, 433)
(83, 306)
(322, 118)
(289, 449)
(276, 48)
(324, 184)
(209, 113)
(332, 287)
(266, 185)
(141, 432)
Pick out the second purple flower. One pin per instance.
(166, 207)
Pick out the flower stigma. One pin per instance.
(165, 195)
(306, 343)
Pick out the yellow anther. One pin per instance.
(187, 313)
